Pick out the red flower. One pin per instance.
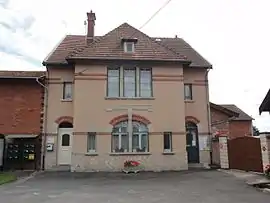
(131, 163)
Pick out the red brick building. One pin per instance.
(21, 107)
(231, 120)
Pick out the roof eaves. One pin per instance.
(265, 105)
(53, 50)
(135, 59)
(223, 109)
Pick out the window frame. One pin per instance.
(151, 81)
(64, 90)
(135, 79)
(119, 81)
(95, 142)
(170, 149)
(140, 134)
(126, 47)
(189, 85)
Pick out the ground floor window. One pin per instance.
(91, 142)
(121, 142)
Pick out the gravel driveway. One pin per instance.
(171, 187)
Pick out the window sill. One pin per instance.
(91, 154)
(129, 98)
(129, 153)
(66, 100)
(189, 101)
(168, 153)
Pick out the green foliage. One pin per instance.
(6, 178)
(256, 131)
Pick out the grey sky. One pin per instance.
(232, 35)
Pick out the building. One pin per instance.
(125, 96)
(230, 120)
(21, 107)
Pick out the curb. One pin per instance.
(24, 179)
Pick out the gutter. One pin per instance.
(44, 134)
(208, 116)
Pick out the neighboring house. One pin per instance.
(265, 105)
(231, 120)
(125, 96)
(21, 107)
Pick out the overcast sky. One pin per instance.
(233, 35)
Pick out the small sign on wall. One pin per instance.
(49, 147)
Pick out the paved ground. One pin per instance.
(174, 187)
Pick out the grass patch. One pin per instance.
(6, 178)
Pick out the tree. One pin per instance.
(256, 131)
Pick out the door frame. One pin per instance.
(197, 142)
(62, 131)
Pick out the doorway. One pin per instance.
(65, 137)
(2, 149)
(192, 142)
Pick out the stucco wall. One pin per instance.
(198, 106)
(89, 109)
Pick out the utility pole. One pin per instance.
(130, 109)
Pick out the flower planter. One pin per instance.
(131, 170)
(131, 167)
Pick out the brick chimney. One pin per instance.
(91, 17)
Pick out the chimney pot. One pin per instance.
(91, 17)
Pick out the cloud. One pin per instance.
(4, 3)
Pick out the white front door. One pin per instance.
(64, 146)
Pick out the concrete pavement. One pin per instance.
(171, 187)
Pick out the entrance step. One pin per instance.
(60, 168)
(192, 166)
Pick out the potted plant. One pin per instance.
(131, 166)
(267, 170)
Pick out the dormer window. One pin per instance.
(129, 44)
(129, 47)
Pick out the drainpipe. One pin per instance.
(44, 120)
(208, 115)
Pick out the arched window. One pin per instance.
(121, 141)
(139, 137)
(192, 133)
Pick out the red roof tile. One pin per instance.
(109, 47)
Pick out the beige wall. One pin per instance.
(198, 106)
(89, 110)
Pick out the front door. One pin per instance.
(192, 144)
(64, 146)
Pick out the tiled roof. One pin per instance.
(21, 74)
(224, 110)
(109, 47)
(242, 115)
(182, 47)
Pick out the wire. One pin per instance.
(162, 7)
(154, 15)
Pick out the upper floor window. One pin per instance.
(129, 47)
(129, 82)
(67, 90)
(188, 91)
